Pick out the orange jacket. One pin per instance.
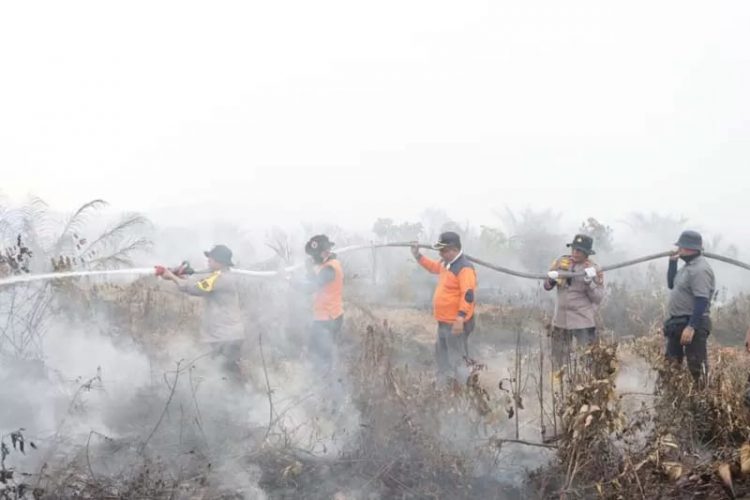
(455, 292)
(328, 303)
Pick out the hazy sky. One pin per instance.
(352, 110)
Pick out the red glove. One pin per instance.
(160, 270)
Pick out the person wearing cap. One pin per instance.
(692, 287)
(453, 305)
(325, 280)
(577, 299)
(222, 327)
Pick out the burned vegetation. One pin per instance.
(616, 422)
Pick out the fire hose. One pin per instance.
(184, 269)
(543, 276)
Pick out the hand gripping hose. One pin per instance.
(26, 278)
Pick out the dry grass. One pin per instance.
(672, 446)
(682, 442)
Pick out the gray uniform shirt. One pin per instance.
(222, 316)
(694, 279)
(577, 303)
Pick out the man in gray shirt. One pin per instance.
(689, 325)
(222, 328)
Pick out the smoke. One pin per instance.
(91, 390)
(112, 383)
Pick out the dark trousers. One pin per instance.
(451, 351)
(322, 343)
(696, 351)
(229, 354)
(561, 340)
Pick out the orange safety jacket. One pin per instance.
(328, 303)
(455, 292)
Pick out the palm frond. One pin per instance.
(37, 223)
(121, 256)
(115, 233)
(76, 221)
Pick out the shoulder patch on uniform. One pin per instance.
(207, 284)
(461, 264)
(563, 263)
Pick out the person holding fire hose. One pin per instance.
(325, 280)
(577, 299)
(692, 288)
(453, 306)
(222, 327)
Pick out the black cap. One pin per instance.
(221, 254)
(692, 240)
(318, 244)
(584, 243)
(448, 239)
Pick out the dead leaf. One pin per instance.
(292, 470)
(726, 476)
(673, 470)
(669, 441)
(745, 458)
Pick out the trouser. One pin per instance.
(696, 351)
(451, 352)
(229, 354)
(322, 343)
(561, 340)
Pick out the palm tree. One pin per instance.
(27, 309)
(51, 236)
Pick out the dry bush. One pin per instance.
(589, 421)
(402, 448)
(731, 320)
(683, 441)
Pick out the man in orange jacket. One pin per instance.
(326, 282)
(453, 305)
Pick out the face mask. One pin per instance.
(688, 258)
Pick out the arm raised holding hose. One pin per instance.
(688, 324)
(432, 266)
(453, 304)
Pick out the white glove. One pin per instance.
(553, 275)
(590, 274)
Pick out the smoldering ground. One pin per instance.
(117, 411)
(119, 401)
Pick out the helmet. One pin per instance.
(318, 244)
